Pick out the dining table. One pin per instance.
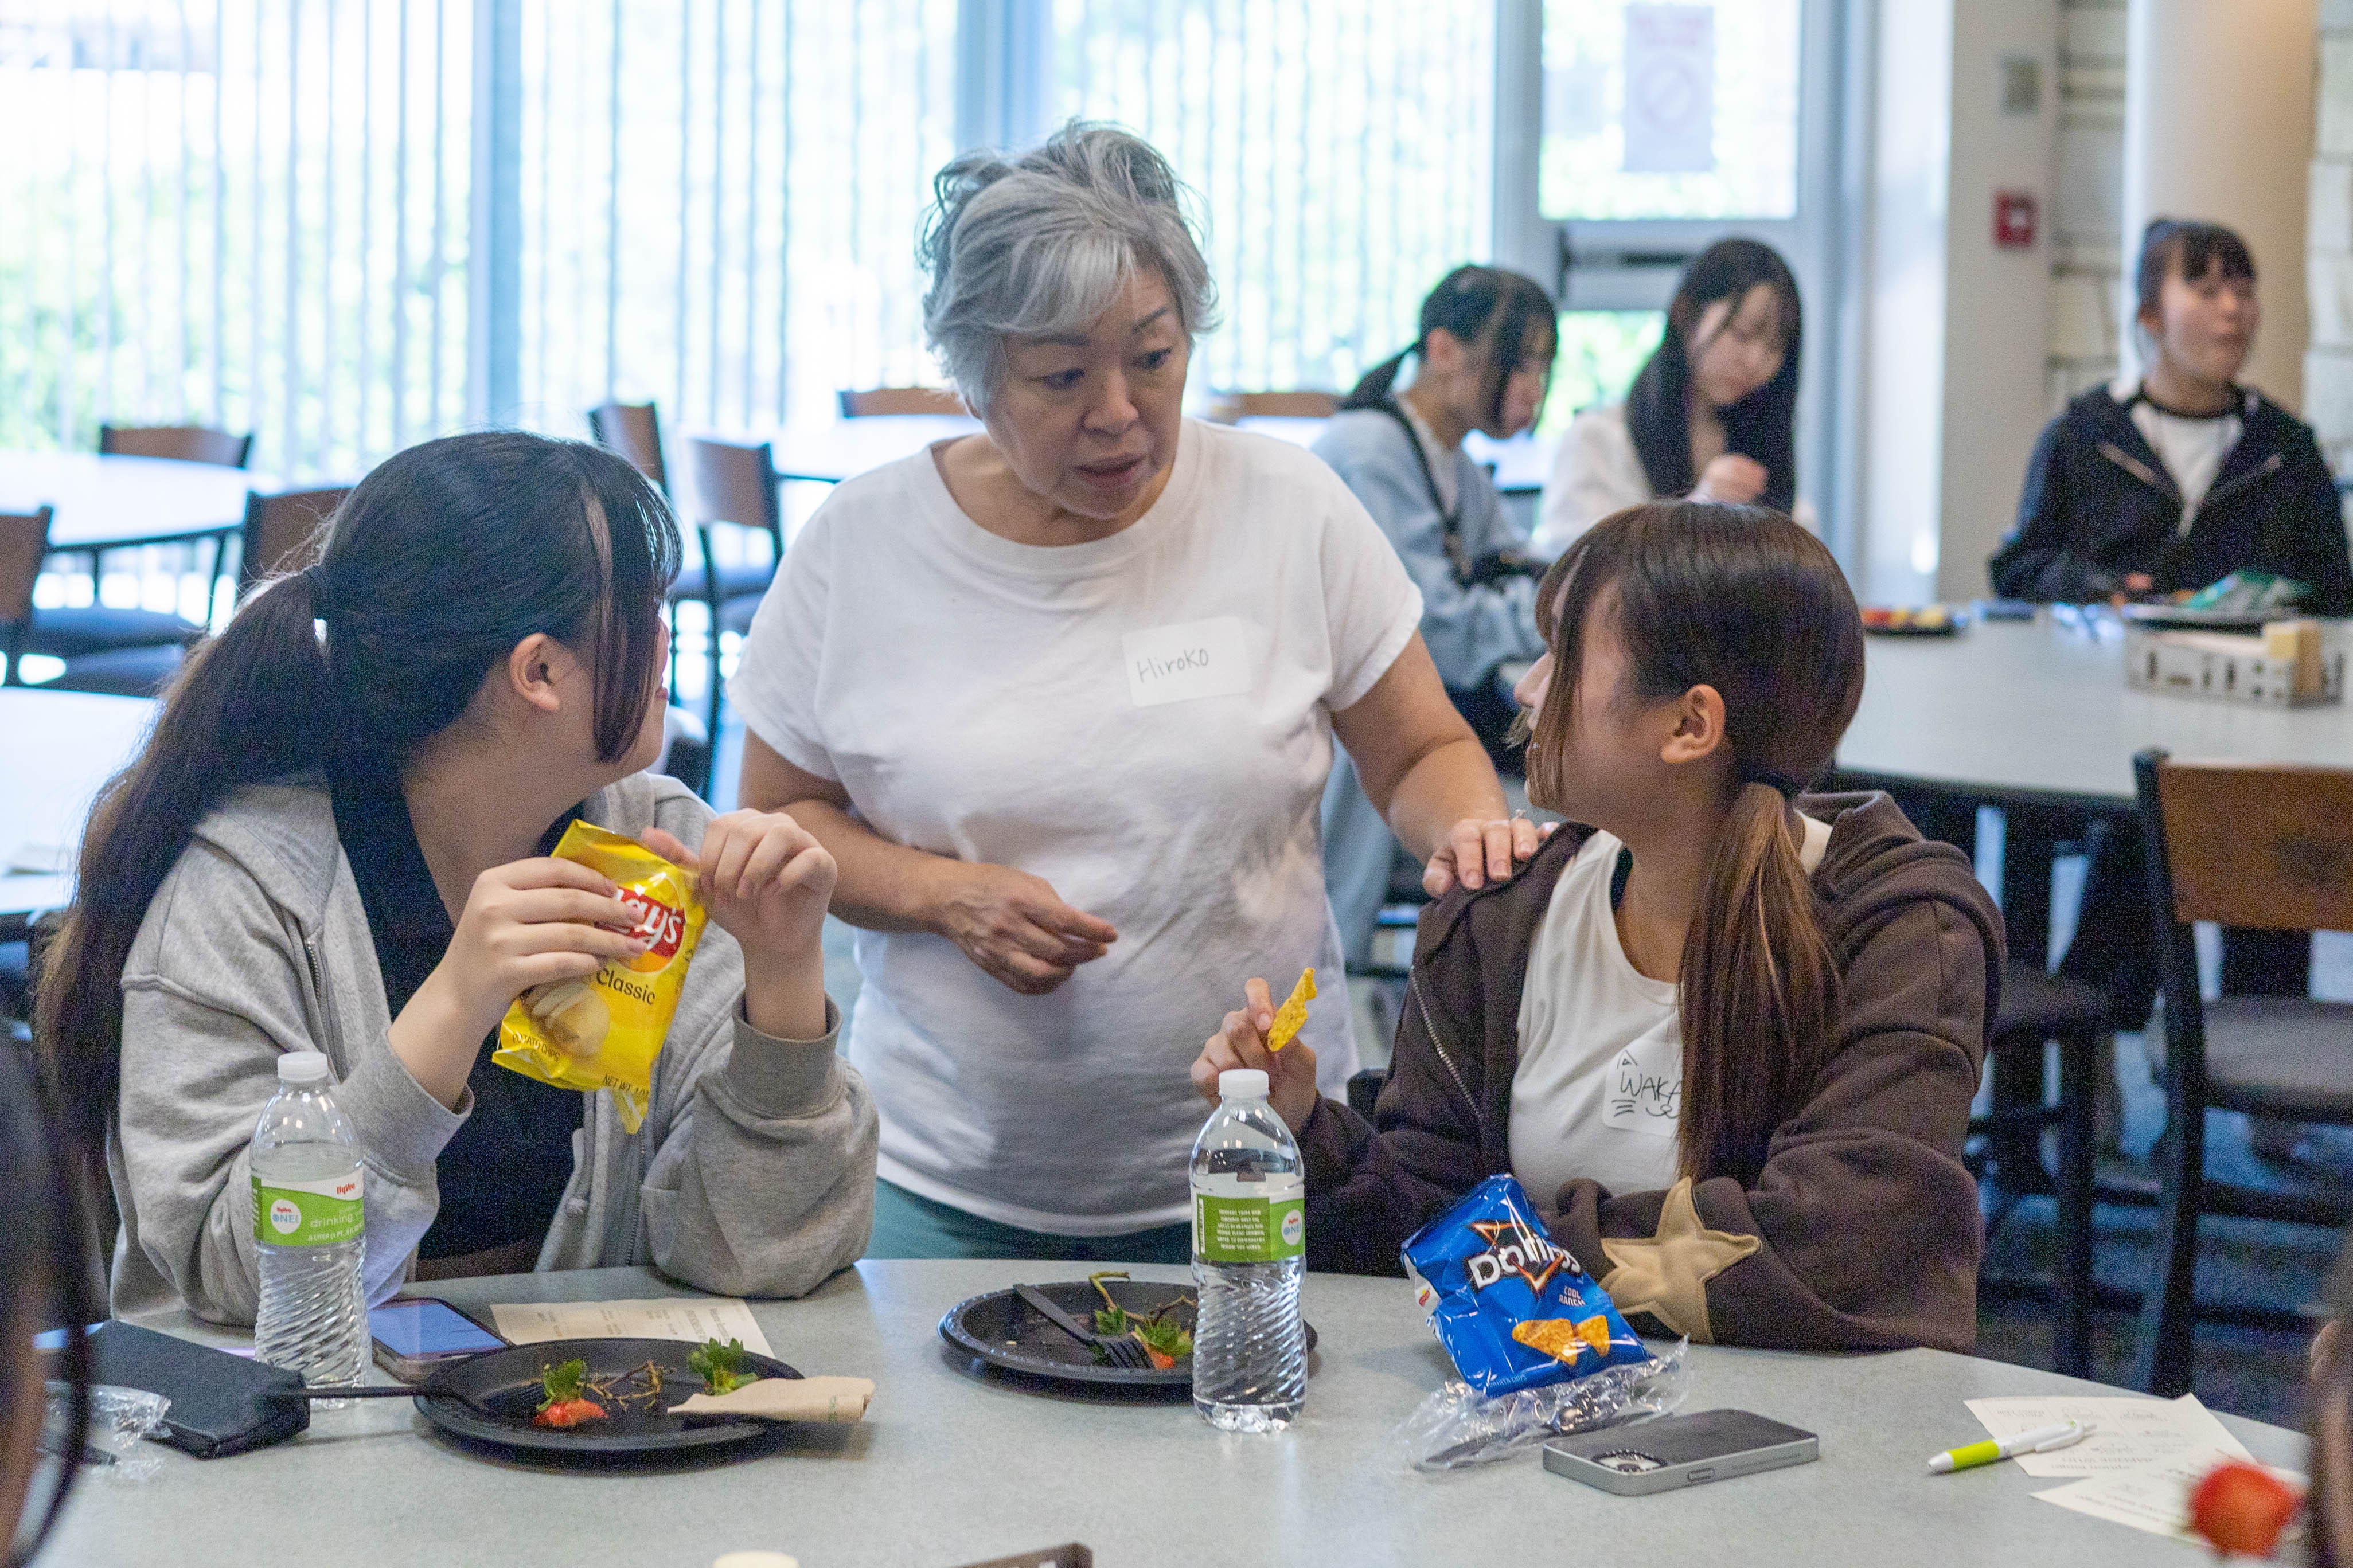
(957, 1463)
(105, 501)
(60, 747)
(2036, 717)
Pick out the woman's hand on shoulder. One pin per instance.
(1478, 852)
(1241, 1043)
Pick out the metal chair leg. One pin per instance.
(2163, 1359)
(2079, 1063)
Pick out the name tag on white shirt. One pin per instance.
(1645, 1092)
(1181, 663)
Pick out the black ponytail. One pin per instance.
(1763, 425)
(1488, 309)
(437, 564)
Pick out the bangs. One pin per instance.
(639, 549)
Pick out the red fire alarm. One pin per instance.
(2013, 220)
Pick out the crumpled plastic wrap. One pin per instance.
(1458, 1426)
(119, 1419)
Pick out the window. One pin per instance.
(1670, 110)
(1343, 151)
(720, 201)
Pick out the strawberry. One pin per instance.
(2241, 1508)
(565, 1406)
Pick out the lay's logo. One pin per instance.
(659, 919)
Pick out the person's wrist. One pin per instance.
(934, 888)
(784, 993)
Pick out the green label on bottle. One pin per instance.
(307, 1213)
(1248, 1230)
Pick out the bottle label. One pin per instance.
(307, 1213)
(1248, 1230)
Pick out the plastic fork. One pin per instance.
(1123, 1351)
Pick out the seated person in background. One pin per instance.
(1712, 416)
(2177, 480)
(338, 841)
(1726, 1034)
(2168, 483)
(1485, 356)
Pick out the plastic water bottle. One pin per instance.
(307, 1216)
(1249, 1245)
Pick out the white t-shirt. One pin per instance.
(1600, 1086)
(1144, 723)
(2190, 446)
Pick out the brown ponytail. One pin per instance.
(1744, 600)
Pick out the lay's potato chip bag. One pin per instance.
(604, 1032)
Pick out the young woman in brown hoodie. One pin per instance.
(1726, 1032)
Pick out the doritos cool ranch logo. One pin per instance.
(1515, 1249)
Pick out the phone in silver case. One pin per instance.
(1678, 1451)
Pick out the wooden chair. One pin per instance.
(2263, 848)
(129, 650)
(284, 532)
(734, 486)
(900, 400)
(187, 443)
(1226, 408)
(634, 430)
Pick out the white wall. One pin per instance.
(1955, 331)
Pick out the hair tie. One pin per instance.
(315, 575)
(1788, 788)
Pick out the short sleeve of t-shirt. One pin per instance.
(1370, 603)
(776, 692)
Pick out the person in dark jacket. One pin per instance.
(2170, 483)
(2183, 477)
(1724, 1031)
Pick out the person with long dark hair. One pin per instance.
(1712, 415)
(1725, 1030)
(1482, 359)
(337, 839)
(46, 1280)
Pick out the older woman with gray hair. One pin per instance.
(1061, 697)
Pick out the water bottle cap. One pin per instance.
(1241, 1083)
(303, 1067)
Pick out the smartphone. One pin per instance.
(1678, 1451)
(415, 1333)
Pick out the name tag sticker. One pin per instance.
(1180, 663)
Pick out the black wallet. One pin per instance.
(221, 1403)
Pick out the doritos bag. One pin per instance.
(1512, 1308)
(604, 1032)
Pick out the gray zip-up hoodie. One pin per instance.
(753, 1176)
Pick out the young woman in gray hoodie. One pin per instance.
(337, 839)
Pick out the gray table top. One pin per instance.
(61, 746)
(2024, 711)
(107, 500)
(952, 1467)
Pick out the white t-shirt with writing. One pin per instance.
(1598, 1091)
(1141, 721)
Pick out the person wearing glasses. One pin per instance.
(1482, 361)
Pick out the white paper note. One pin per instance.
(1180, 663)
(2153, 1497)
(2132, 1433)
(691, 1318)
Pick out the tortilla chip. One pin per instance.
(1291, 1016)
(1562, 1339)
